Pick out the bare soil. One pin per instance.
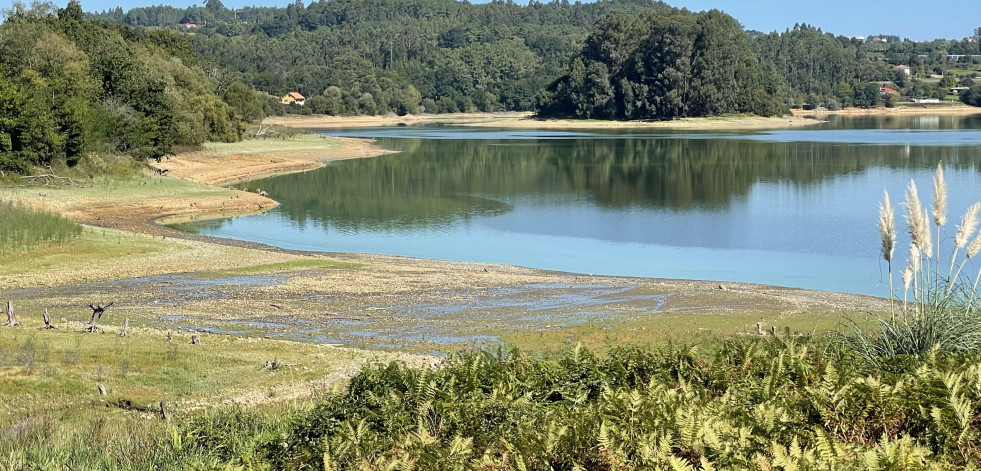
(910, 110)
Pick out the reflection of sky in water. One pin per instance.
(818, 233)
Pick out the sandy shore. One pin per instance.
(223, 164)
(527, 121)
(910, 110)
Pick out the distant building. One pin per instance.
(904, 68)
(958, 90)
(187, 26)
(884, 90)
(926, 100)
(293, 97)
(860, 39)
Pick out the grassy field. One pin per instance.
(294, 143)
(685, 327)
(53, 411)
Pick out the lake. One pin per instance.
(794, 207)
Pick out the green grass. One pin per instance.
(24, 229)
(295, 142)
(294, 265)
(658, 330)
(57, 371)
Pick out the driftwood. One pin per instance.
(125, 331)
(12, 320)
(47, 321)
(49, 179)
(97, 311)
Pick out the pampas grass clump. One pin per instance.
(936, 310)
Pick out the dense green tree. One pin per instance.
(664, 65)
(244, 101)
(70, 85)
(972, 96)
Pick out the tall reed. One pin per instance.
(22, 228)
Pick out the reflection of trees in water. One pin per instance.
(436, 182)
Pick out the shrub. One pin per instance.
(752, 403)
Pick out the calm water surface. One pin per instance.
(790, 207)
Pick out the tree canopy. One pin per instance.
(663, 65)
(71, 85)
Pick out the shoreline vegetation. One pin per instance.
(125, 255)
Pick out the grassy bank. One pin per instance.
(53, 414)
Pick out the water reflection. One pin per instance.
(784, 207)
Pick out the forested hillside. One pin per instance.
(142, 81)
(407, 56)
(380, 56)
(70, 86)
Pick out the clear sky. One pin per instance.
(915, 19)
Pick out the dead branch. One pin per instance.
(49, 179)
(97, 311)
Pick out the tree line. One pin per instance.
(603, 59)
(143, 81)
(70, 86)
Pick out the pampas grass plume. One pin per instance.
(907, 277)
(914, 215)
(975, 247)
(887, 227)
(939, 197)
(968, 224)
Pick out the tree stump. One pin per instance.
(47, 321)
(12, 320)
(97, 311)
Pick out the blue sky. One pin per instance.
(914, 19)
